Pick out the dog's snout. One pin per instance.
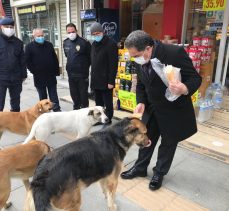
(106, 120)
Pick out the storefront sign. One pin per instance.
(89, 14)
(109, 28)
(32, 9)
(127, 100)
(213, 5)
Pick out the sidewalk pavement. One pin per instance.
(194, 183)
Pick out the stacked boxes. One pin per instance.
(126, 81)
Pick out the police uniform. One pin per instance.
(12, 67)
(78, 62)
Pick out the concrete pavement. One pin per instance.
(195, 181)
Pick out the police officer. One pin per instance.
(77, 50)
(12, 64)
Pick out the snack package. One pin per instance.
(167, 73)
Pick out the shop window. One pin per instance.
(38, 16)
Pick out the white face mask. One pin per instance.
(72, 36)
(9, 32)
(140, 60)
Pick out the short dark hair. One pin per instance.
(139, 39)
(71, 25)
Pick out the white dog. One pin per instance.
(77, 122)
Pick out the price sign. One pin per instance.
(195, 98)
(127, 100)
(214, 5)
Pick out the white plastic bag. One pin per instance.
(167, 73)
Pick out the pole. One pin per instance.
(68, 11)
(222, 45)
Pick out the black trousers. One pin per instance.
(104, 98)
(14, 92)
(79, 92)
(165, 154)
(52, 92)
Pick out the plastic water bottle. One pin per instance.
(202, 112)
(209, 92)
(218, 98)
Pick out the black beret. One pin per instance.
(7, 21)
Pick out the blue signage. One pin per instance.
(88, 14)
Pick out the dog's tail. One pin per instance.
(37, 200)
(30, 136)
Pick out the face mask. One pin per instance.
(72, 36)
(98, 38)
(140, 60)
(40, 40)
(9, 32)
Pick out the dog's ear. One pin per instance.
(39, 105)
(137, 123)
(91, 112)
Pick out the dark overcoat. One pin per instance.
(104, 63)
(12, 60)
(176, 120)
(78, 54)
(42, 62)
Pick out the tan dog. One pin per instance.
(21, 122)
(19, 161)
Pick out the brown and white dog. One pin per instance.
(61, 174)
(19, 161)
(21, 122)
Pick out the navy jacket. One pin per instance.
(12, 60)
(42, 62)
(78, 57)
(104, 63)
(176, 120)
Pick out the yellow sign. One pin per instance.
(127, 100)
(195, 97)
(32, 9)
(214, 5)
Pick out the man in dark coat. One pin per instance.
(104, 64)
(173, 121)
(77, 50)
(12, 65)
(42, 62)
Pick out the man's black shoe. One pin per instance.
(155, 182)
(132, 173)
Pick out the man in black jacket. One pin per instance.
(77, 50)
(12, 65)
(173, 121)
(104, 64)
(42, 62)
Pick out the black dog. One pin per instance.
(62, 174)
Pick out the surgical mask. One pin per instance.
(98, 38)
(140, 60)
(72, 36)
(40, 40)
(9, 32)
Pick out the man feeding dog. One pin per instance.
(64, 172)
(173, 121)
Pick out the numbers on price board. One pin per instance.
(127, 103)
(213, 5)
